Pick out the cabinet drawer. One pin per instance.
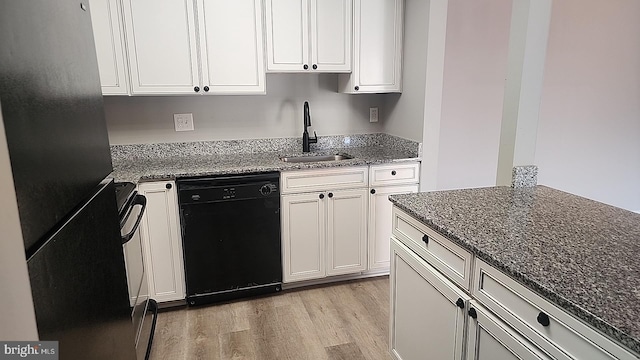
(393, 174)
(564, 337)
(323, 179)
(449, 258)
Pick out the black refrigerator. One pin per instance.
(58, 146)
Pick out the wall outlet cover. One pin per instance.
(183, 122)
(373, 114)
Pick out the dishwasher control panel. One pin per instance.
(195, 191)
(228, 193)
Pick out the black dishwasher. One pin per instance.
(230, 236)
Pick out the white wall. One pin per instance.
(405, 112)
(589, 127)
(16, 305)
(474, 77)
(277, 114)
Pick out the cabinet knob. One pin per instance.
(543, 319)
(206, 89)
(321, 196)
(393, 173)
(357, 88)
(196, 89)
(305, 66)
(315, 67)
(373, 191)
(168, 186)
(425, 238)
(473, 313)
(330, 195)
(460, 303)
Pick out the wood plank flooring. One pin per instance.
(347, 320)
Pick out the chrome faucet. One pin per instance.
(306, 140)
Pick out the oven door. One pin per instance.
(134, 261)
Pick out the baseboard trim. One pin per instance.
(334, 279)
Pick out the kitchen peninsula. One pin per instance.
(555, 273)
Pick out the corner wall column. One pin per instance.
(523, 90)
(437, 33)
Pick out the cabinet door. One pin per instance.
(331, 34)
(160, 231)
(426, 320)
(489, 339)
(231, 46)
(287, 35)
(303, 236)
(380, 224)
(346, 231)
(377, 48)
(161, 39)
(106, 18)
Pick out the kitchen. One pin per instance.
(462, 153)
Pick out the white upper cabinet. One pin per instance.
(331, 33)
(231, 46)
(309, 35)
(106, 17)
(195, 47)
(287, 25)
(161, 38)
(377, 48)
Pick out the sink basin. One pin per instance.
(305, 159)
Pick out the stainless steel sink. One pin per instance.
(316, 158)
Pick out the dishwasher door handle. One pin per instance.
(138, 200)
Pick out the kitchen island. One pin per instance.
(579, 255)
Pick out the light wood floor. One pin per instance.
(341, 321)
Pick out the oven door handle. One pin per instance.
(138, 200)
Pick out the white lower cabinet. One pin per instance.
(427, 310)
(324, 233)
(303, 234)
(380, 210)
(162, 245)
(490, 339)
(346, 231)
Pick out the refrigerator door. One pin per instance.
(79, 284)
(52, 109)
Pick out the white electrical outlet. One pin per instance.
(183, 122)
(373, 114)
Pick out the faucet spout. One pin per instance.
(306, 140)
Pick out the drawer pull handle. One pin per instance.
(543, 319)
(321, 196)
(425, 238)
(393, 173)
(330, 195)
(460, 303)
(473, 313)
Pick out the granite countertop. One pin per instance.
(580, 254)
(170, 161)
